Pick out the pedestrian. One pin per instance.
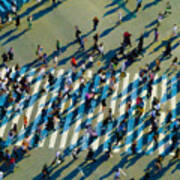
(119, 17)
(169, 117)
(96, 38)
(25, 146)
(95, 23)
(174, 141)
(109, 150)
(138, 5)
(14, 8)
(156, 34)
(112, 83)
(55, 61)
(39, 51)
(103, 102)
(11, 53)
(4, 57)
(77, 34)
(167, 51)
(75, 152)
(37, 137)
(147, 174)
(101, 49)
(159, 19)
(73, 62)
(58, 158)
(45, 172)
(58, 47)
(157, 66)
(127, 39)
(168, 9)
(90, 155)
(174, 30)
(82, 47)
(121, 131)
(158, 163)
(133, 147)
(177, 154)
(118, 173)
(149, 89)
(174, 65)
(15, 130)
(140, 45)
(29, 20)
(17, 21)
(121, 50)
(45, 59)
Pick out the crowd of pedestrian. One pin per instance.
(17, 88)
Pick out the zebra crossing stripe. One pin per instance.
(162, 116)
(22, 131)
(113, 106)
(5, 120)
(140, 127)
(54, 135)
(77, 127)
(85, 140)
(150, 144)
(67, 122)
(121, 109)
(41, 104)
(130, 126)
(53, 96)
(66, 128)
(174, 91)
(95, 144)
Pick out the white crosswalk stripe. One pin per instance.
(54, 135)
(100, 118)
(162, 116)
(121, 109)
(129, 133)
(154, 94)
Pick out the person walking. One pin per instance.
(118, 173)
(174, 65)
(157, 67)
(140, 45)
(90, 155)
(156, 34)
(45, 172)
(58, 47)
(119, 17)
(77, 34)
(127, 39)
(168, 9)
(138, 5)
(17, 21)
(101, 49)
(95, 23)
(159, 19)
(29, 20)
(11, 53)
(174, 30)
(167, 51)
(58, 158)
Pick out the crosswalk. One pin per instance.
(75, 116)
